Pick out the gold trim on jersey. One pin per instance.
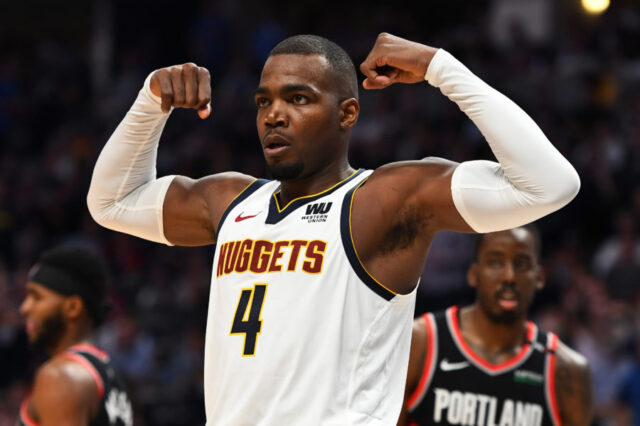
(280, 210)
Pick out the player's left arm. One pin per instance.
(419, 337)
(573, 386)
(64, 394)
(531, 178)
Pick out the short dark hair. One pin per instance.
(530, 227)
(339, 61)
(88, 271)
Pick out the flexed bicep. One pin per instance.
(423, 186)
(193, 208)
(125, 195)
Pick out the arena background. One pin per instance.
(70, 70)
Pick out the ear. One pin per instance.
(349, 111)
(540, 278)
(472, 277)
(73, 307)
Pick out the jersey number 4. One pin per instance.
(247, 317)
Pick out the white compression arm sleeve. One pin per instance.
(532, 178)
(124, 194)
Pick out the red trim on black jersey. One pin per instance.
(452, 314)
(86, 347)
(429, 360)
(551, 379)
(90, 368)
(24, 413)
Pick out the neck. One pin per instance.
(496, 340)
(314, 183)
(73, 337)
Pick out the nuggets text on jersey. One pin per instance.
(261, 256)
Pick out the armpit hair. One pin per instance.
(403, 233)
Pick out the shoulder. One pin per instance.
(64, 392)
(211, 192)
(426, 324)
(570, 359)
(424, 329)
(63, 381)
(200, 201)
(571, 369)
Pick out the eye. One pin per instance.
(262, 102)
(494, 263)
(522, 264)
(299, 99)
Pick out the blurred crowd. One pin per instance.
(63, 91)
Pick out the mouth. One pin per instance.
(274, 144)
(29, 327)
(508, 300)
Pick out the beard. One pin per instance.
(284, 171)
(53, 328)
(504, 317)
(487, 303)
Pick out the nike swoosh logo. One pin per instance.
(445, 365)
(240, 218)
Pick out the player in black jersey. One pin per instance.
(64, 303)
(485, 364)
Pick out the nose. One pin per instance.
(276, 115)
(508, 274)
(24, 306)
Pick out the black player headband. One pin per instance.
(60, 281)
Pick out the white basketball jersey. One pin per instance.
(298, 332)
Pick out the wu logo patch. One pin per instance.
(317, 212)
(318, 208)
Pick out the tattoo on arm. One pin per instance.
(573, 391)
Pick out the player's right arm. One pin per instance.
(417, 355)
(125, 194)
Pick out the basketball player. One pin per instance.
(77, 385)
(315, 271)
(485, 364)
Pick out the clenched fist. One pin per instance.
(395, 60)
(183, 86)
